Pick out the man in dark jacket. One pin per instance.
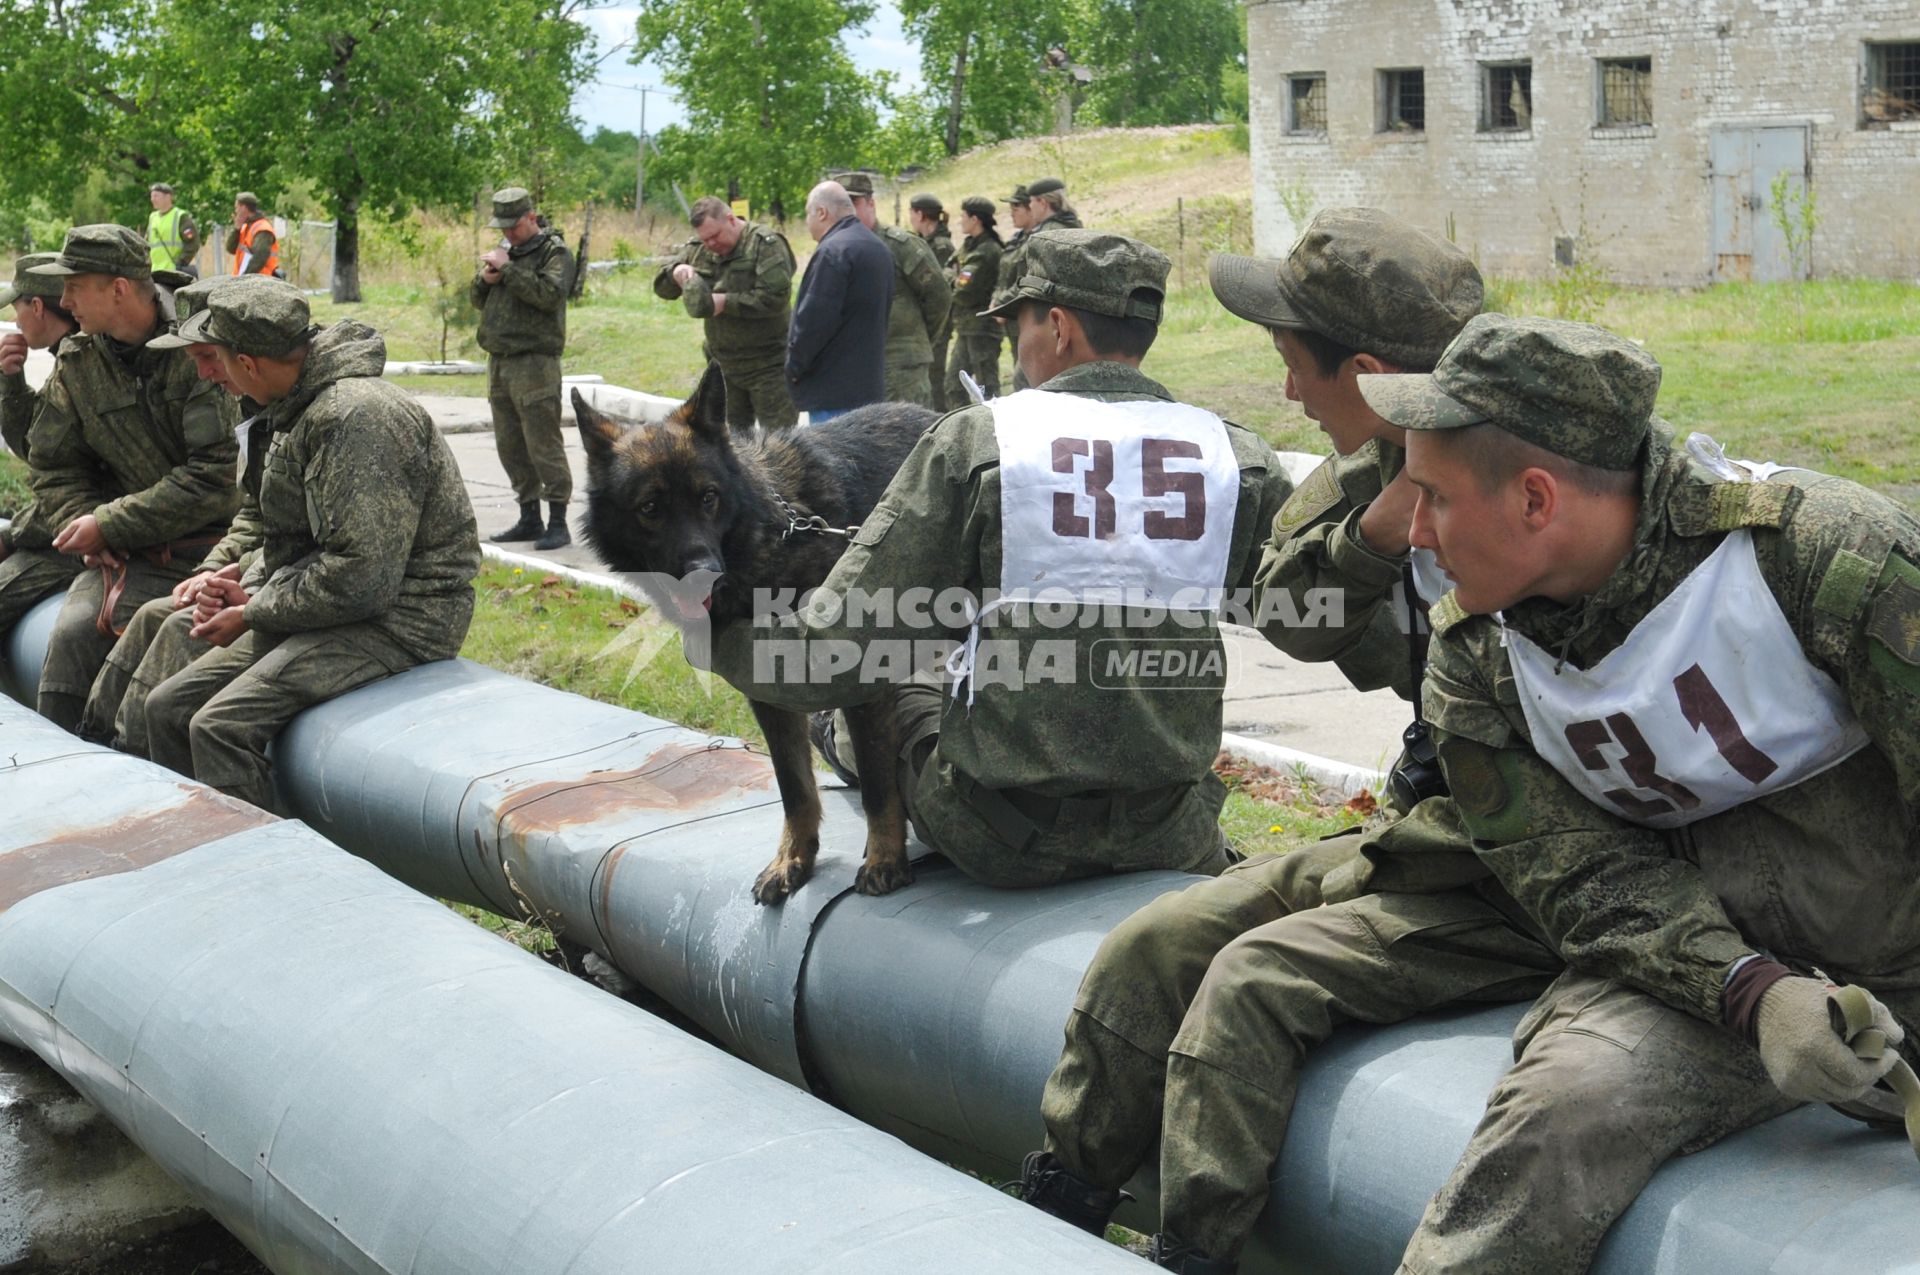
(836, 349)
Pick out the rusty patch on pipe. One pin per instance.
(678, 777)
(125, 845)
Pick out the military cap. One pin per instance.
(1087, 270)
(509, 206)
(1362, 278)
(979, 206)
(1020, 197)
(160, 188)
(1574, 389)
(102, 248)
(857, 184)
(267, 319)
(929, 205)
(248, 198)
(1046, 186)
(26, 283)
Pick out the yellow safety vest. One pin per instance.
(164, 243)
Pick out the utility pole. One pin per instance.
(640, 171)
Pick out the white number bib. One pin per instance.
(1709, 702)
(1429, 584)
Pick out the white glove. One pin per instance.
(1802, 1047)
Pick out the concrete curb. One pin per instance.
(1343, 778)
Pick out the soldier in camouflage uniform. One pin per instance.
(1711, 813)
(1048, 209)
(922, 298)
(30, 568)
(737, 276)
(132, 457)
(1020, 213)
(367, 552)
(1034, 780)
(976, 340)
(521, 293)
(928, 217)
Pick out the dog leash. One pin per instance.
(1852, 1015)
(797, 521)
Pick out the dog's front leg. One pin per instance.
(876, 750)
(799, 797)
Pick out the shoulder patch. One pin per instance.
(1706, 508)
(1845, 584)
(1311, 499)
(1895, 621)
(1446, 614)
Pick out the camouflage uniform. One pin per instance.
(523, 329)
(941, 241)
(1630, 1058)
(30, 569)
(131, 435)
(1062, 779)
(976, 340)
(366, 563)
(749, 341)
(922, 299)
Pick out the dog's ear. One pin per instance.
(598, 434)
(709, 415)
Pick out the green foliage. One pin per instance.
(1158, 61)
(1003, 83)
(1579, 291)
(13, 485)
(1796, 212)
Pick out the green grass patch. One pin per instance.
(13, 485)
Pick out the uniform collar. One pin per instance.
(1106, 377)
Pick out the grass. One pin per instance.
(13, 485)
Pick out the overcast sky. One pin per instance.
(612, 101)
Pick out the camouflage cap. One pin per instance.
(1575, 389)
(28, 284)
(509, 206)
(1020, 197)
(979, 206)
(1087, 270)
(193, 296)
(927, 204)
(857, 183)
(1046, 186)
(267, 319)
(103, 248)
(1362, 278)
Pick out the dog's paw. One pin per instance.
(781, 878)
(882, 878)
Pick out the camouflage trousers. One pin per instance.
(978, 355)
(29, 577)
(908, 382)
(524, 392)
(78, 650)
(158, 643)
(1194, 1021)
(213, 720)
(937, 376)
(759, 393)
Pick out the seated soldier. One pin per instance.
(1028, 775)
(367, 544)
(132, 457)
(30, 568)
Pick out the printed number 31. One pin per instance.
(1155, 480)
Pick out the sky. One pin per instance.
(613, 99)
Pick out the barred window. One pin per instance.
(1506, 97)
(1402, 101)
(1307, 103)
(1893, 85)
(1626, 92)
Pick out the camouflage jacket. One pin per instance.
(1316, 544)
(941, 241)
(922, 298)
(526, 312)
(1826, 872)
(364, 516)
(18, 403)
(976, 271)
(134, 437)
(757, 277)
(938, 528)
(241, 544)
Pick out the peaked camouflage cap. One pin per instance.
(1574, 389)
(856, 183)
(1019, 198)
(1047, 186)
(1360, 277)
(510, 204)
(264, 319)
(1089, 270)
(103, 248)
(26, 283)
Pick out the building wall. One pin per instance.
(1638, 202)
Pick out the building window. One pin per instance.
(1626, 92)
(1307, 103)
(1893, 85)
(1402, 102)
(1506, 97)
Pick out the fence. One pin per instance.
(306, 252)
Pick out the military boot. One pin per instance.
(526, 529)
(1170, 1252)
(1046, 1184)
(557, 536)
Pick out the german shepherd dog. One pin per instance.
(686, 499)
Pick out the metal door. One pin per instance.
(1747, 244)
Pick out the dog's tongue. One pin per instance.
(691, 610)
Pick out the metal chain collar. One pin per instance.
(797, 521)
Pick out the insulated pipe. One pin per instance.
(353, 1079)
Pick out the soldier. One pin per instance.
(1049, 209)
(367, 548)
(982, 768)
(521, 293)
(922, 298)
(30, 568)
(737, 276)
(976, 338)
(929, 220)
(132, 457)
(1020, 213)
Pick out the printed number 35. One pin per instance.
(1155, 480)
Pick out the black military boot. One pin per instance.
(1046, 1184)
(1170, 1252)
(557, 536)
(526, 529)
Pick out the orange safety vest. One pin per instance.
(247, 236)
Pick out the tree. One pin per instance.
(768, 87)
(1158, 61)
(982, 61)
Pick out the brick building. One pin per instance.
(1641, 135)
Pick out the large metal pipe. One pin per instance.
(353, 1079)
